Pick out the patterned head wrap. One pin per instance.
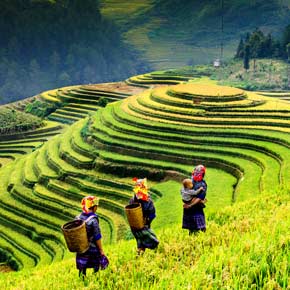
(140, 189)
(198, 173)
(88, 202)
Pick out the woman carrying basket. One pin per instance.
(145, 237)
(94, 257)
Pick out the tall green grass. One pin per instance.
(246, 246)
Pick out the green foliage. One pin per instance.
(41, 109)
(154, 134)
(176, 33)
(123, 170)
(286, 36)
(288, 51)
(258, 45)
(8, 259)
(268, 74)
(247, 57)
(16, 121)
(60, 55)
(103, 102)
(84, 130)
(240, 49)
(246, 246)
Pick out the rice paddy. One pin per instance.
(242, 138)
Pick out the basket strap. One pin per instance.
(89, 218)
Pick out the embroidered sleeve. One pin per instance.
(96, 229)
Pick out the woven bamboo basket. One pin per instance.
(135, 215)
(75, 235)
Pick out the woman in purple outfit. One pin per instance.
(94, 257)
(193, 214)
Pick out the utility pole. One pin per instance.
(288, 63)
(222, 30)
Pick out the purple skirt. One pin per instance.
(145, 238)
(193, 219)
(90, 259)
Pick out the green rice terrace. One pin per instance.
(156, 126)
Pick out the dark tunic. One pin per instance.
(193, 217)
(91, 258)
(145, 237)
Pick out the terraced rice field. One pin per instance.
(18, 144)
(187, 124)
(149, 79)
(160, 133)
(78, 101)
(42, 190)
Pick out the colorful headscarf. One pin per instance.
(88, 202)
(140, 189)
(198, 173)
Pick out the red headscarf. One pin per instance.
(88, 202)
(198, 173)
(140, 189)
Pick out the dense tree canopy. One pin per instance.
(261, 45)
(47, 44)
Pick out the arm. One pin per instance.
(149, 212)
(200, 196)
(191, 192)
(97, 237)
(193, 202)
(100, 246)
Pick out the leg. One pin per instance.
(140, 251)
(96, 269)
(193, 232)
(83, 273)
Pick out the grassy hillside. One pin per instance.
(246, 246)
(173, 33)
(16, 121)
(241, 137)
(263, 74)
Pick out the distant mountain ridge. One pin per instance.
(47, 44)
(54, 43)
(173, 33)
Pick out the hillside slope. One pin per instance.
(246, 246)
(161, 133)
(263, 74)
(174, 33)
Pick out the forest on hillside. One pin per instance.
(238, 15)
(47, 44)
(259, 45)
(176, 33)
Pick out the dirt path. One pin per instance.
(119, 87)
(5, 269)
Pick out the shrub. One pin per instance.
(6, 257)
(103, 102)
(14, 121)
(41, 109)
